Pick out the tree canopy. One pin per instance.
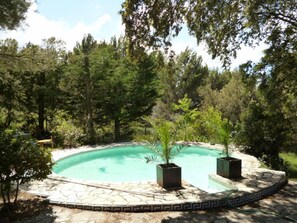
(224, 25)
(12, 13)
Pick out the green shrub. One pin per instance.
(186, 119)
(22, 160)
(66, 133)
(291, 161)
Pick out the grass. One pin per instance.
(291, 159)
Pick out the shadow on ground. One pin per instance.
(281, 207)
(29, 210)
(292, 172)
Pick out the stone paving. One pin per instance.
(141, 197)
(278, 208)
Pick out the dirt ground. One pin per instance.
(281, 207)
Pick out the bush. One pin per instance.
(22, 160)
(209, 125)
(66, 133)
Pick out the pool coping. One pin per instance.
(255, 184)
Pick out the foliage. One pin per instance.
(180, 75)
(29, 79)
(208, 121)
(67, 134)
(214, 84)
(12, 13)
(187, 74)
(269, 125)
(22, 160)
(224, 135)
(128, 88)
(163, 141)
(112, 88)
(186, 119)
(78, 73)
(210, 97)
(263, 132)
(215, 128)
(233, 99)
(291, 160)
(223, 26)
(8, 86)
(41, 81)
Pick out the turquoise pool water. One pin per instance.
(128, 164)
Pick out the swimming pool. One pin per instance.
(128, 164)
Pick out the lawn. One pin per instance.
(291, 159)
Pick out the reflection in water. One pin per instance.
(102, 169)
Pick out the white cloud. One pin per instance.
(121, 28)
(243, 55)
(39, 27)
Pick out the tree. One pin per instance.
(233, 99)
(179, 76)
(263, 132)
(225, 25)
(87, 45)
(210, 91)
(12, 13)
(188, 74)
(78, 84)
(128, 88)
(22, 160)
(269, 124)
(118, 90)
(209, 124)
(29, 82)
(186, 119)
(40, 80)
(9, 88)
(163, 141)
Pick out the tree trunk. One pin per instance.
(90, 121)
(2, 194)
(41, 112)
(16, 193)
(117, 129)
(8, 198)
(41, 104)
(9, 106)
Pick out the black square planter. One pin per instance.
(169, 175)
(229, 167)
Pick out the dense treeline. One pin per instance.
(98, 94)
(89, 95)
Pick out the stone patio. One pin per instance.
(255, 184)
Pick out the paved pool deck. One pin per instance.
(256, 183)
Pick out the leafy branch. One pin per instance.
(163, 142)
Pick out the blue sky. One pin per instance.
(86, 12)
(70, 20)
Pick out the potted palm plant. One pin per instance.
(227, 166)
(165, 147)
